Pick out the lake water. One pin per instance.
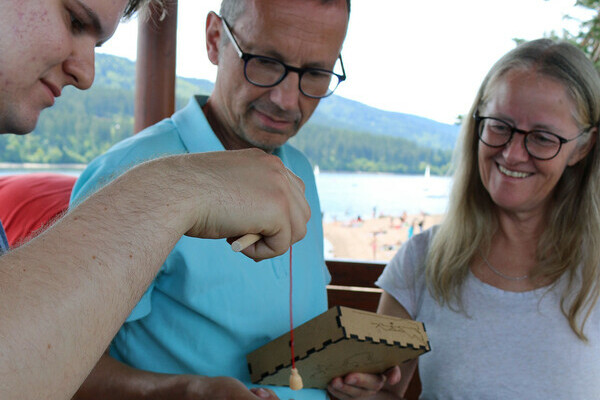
(345, 196)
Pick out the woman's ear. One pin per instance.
(583, 151)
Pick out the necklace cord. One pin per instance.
(494, 270)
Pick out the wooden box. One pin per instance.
(339, 341)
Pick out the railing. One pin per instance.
(353, 285)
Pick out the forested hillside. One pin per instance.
(343, 135)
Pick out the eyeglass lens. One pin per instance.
(539, 144)
(264, 71)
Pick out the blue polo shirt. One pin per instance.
(209, 306)
(3, 240)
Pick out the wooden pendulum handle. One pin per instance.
(245, 241)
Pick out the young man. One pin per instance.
(207, 308)
(65, 294)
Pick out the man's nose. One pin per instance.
(79, 66)
(287, 93)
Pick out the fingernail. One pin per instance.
(262, 393)
(351, 381)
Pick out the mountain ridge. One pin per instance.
(334, 110)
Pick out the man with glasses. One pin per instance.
(208, 306)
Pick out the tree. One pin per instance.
(588, 36)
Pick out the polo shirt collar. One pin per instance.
(192, 125)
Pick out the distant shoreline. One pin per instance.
(42, 166)
(332, 171)
(49, 166)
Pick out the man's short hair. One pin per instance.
(232, 9)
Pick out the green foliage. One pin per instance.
(114, 72)
(339, 149)
(588, 36)
(78, 128)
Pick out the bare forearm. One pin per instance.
(389, 306)
(114, 380)
(65, 294)
(398, 391)
(111, 379)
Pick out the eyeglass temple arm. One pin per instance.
(343, 77)
(231, 39)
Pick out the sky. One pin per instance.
(425, 58)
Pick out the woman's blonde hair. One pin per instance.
(572, 236)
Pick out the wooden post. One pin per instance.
(155, 66)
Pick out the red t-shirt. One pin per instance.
(29, 202)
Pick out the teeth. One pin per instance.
(513, 174)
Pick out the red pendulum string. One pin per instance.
(295, 378)
(291, 314)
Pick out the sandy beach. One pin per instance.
(374, 239)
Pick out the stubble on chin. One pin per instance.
(253, 133)
(263, 145)
(18, 124)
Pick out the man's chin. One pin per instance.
(269, 148)
(19, 127)
(271, 142)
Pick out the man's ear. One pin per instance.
(214, 26)
(582, 151)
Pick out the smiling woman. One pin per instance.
(514, 265)
(520, 174)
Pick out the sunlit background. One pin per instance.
(417, 57)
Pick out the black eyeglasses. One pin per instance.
(266, 72)
(540, 144)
